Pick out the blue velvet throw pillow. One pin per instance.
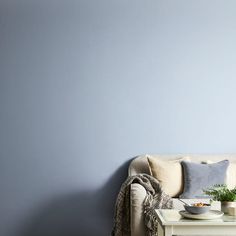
(202, 176)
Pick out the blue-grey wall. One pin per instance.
(87, 85)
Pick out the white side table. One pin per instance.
(171, 223)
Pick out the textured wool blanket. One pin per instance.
(155, 199)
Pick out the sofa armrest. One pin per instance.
(137, 196)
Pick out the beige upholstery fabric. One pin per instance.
(169, 173)
(138, 194)
(231, 175)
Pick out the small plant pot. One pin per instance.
(226, 205)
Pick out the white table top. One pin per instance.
(172, 217)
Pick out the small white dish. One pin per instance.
(210, 215)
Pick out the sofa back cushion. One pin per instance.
(231, 175)
(169, 173)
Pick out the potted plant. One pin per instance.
(222, 193)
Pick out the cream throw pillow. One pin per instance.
(169, 173)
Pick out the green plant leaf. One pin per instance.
(221, 193)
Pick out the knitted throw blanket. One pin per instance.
(155, 199)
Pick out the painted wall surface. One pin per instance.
(87, 85)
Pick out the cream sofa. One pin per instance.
(138, 193)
